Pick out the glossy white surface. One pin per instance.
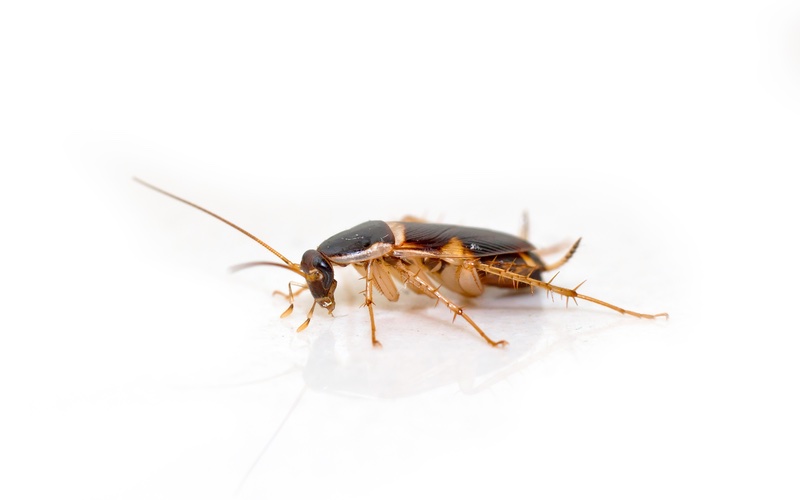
(133, 365)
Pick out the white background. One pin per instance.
(133, 365)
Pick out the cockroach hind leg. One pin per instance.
(564, 292)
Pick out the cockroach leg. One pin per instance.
(308, 318)
(415, 280)
(569, 293)
(368, 275)
(525, 227)
(290, 296)
(563, 260)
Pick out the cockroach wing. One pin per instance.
(448, 241)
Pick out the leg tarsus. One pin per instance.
(290, 296)
(308, 318)
(303, 325)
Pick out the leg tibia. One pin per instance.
(414, 280)
(569, 293)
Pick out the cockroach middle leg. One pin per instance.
(368, 276)
(569, 293)
(426, 288)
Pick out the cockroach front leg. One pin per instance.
(305, 323)
(290, 296)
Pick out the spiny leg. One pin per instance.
(569, 293)
(368, 301)
(290, 296)
(423, 286)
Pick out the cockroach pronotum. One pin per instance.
(424, 257)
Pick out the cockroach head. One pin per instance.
(319, 277)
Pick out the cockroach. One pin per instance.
(424, 257)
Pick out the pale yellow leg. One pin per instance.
(415, 280)
(368, 301)
(290, 296)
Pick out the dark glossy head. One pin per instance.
(319, 277)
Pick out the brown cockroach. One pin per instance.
(424, 257)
